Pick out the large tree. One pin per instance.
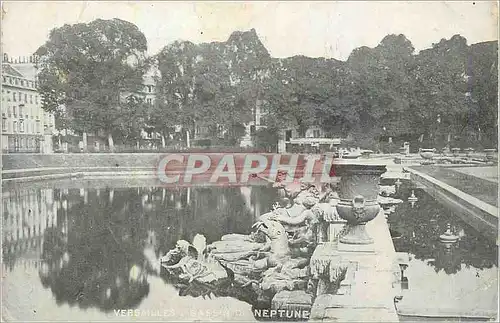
(299, 89)
(215, 85)
(380, 88)
(86, 68)
(482, 79)
(441, 87)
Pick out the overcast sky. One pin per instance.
(316, 29)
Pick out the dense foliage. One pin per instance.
(447, 93)
(84, 71)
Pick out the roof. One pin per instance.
(28, 71)
(8, 69)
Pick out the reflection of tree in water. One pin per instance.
(421, 227)
(213, 212)
(219, 211)
(102, 264)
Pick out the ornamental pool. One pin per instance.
(81, 251)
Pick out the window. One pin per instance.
(31, 98)
(36, 99)
(15, 126)
(38, 126)
(4, 79)
(21, 111)
(9, 113)
(8, 96)
(25, 98)
(14, 96)
(22, 82)
(4, 124)
(17, 81)
(14, 111)
(21, 126)
(10, 80)
(20, 96)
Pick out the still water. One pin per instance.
(83, 254)
(460, 280)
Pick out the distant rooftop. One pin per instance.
(8, 69)
(28, 70)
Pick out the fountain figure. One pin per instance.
(448, 238)
(412, 199)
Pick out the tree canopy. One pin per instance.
(86, 68)
(446, 91)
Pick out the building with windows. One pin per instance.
(26, 127)
(315, 139)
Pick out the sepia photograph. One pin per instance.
(244, 161)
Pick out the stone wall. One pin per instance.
(26, 161)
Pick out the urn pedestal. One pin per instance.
(358, 192)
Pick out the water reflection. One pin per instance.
(99, 248)
(456, 279)
(419, 228)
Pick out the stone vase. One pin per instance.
(427, 153)
(358, 192)
(490, 154)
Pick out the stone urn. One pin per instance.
(490, 154)
(427, 153)
(358, 192)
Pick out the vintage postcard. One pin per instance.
(249, 161)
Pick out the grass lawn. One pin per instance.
(483, 189)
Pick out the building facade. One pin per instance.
(315, 139)
(26, 127)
